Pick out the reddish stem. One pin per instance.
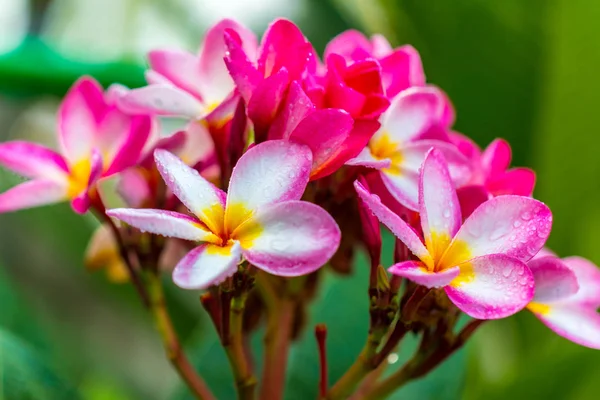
(321, 334)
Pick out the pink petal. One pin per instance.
(215, 80)
(413, 155)
(324, 131)
(417, 272)
(371, 232)
(128, 149)
(401, 70)
(284, 46)
(394, 223)
(240, 67)
(516, 226)
(412, 113)
(80, 202)
(579, 324)
(32, 160)
(265, 101)
(350, 44)
(519, 181)
(199, 144)
(471, 197)
(438, 204)
(206, 265)
(78, 117)
(491, 287)
(133, 187)
(496, 157)
(291, 238)
(381, 46)
(32, 194)
(466, 146)
(268, 173)
(588, 277)
(200, 196)
(554, 281)
(180, 68)
(403, 186)
(165, 223)
(296, 106)
(366, 159)
(162, 99)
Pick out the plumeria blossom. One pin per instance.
(492, 175)
(417, 120)
(188, 85)
(401, 68)
(567, 297)
(96, 140)
(481, 263)
(260, 218)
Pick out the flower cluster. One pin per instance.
(281, 149)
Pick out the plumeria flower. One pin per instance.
(491, 173)
(188, 85)
(260, 218)
(481, 263)
(567, 297)
(96, 140)
(416, 121)
(401, 68)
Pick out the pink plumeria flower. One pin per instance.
(492, 175)
(188, 85)
(567, 297)
(260, 218)
(481, 263)
(96, 140)
(416, 121)
(401, 68)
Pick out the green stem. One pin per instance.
(234, 347)
(171, 342)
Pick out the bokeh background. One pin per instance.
(523, 70)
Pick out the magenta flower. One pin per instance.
(481, 263)
(491, 174)
(567, 297)
(260, 218)
(417, 120)
(188, 85)
(401, 68)
(96, 140)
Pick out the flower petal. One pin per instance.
(438, 203)
(417, 272)
(200, 196)
(471, 197)
(513, 225)
(324, 131)
(271, 172)
(578, 324)
(165, 223)
(366, 159)
(78, 117)
(162, 99)
(401, 70)
(588, 277)
(32, 160)
(289, 239)
(128, 144)
(32, 194)
(554, 281)
(215, 80)
(404, 187)
(350, 44)
(240, 67)
(491, 287)
(413, 154)
(394, 223)
(519, 181)
(133, 187)
(266, 100)
(179, 67)
(297, 105)
(496, 157)
(412, 113)
(206, 265)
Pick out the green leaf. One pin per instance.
(25, 375)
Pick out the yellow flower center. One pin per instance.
(538, 308)
(79, 177)
(383, 147)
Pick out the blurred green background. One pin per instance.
(523, 70)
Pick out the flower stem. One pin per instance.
(277, 340)
(234, 347)
(171, 342)
(321, 335)
(359, 370)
